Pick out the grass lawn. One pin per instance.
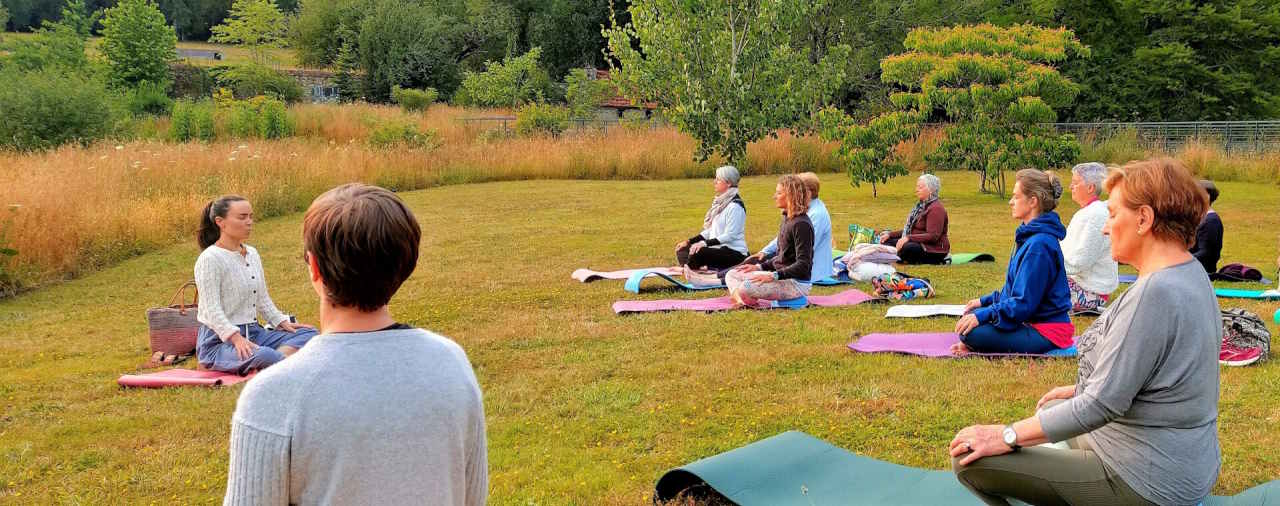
(583, 406)
(284, 58)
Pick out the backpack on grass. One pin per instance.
(1243, 329)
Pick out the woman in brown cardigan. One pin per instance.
(924, 238)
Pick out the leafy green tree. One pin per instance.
(4, 20)
(585, 94)
(994, 87)
(47, 108)
(76, 16)
(58, 44)
(317, 33)
(347, 79)
(726, 73)
(256, 24)
(137, 43)
(55, 46)
(868, 150)
(513, 82)
(569, 33)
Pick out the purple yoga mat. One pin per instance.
(849, 297)
(588, 275)
(932, 345)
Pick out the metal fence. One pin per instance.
(508, 123)
(1233, 136)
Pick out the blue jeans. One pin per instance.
(986, 338)
(218, 355)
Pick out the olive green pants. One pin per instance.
(1044, 476)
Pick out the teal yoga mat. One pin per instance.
(1234, 293)
(794, 468)
(964, 258)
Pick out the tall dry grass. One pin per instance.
(76, 210)
(1205, 157)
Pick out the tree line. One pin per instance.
(1152, 60)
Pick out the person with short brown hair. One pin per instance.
(372, 411)
(787, 275)
(1140, 422)
(1030, 314)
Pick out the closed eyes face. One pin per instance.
(922, 190)
(1122, 227)
(722, 186)
(1019, 205)
(238, 223)
(779, 197)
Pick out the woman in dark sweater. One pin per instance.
(786, 275)
(1208, 246)
(924, 238)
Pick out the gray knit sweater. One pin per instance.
(1147, 390)
(390, 417)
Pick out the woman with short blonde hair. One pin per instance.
(786, 275)
(1141, 421)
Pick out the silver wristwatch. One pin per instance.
(1010, 437)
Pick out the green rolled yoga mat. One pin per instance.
(964, 258)
(794, 468)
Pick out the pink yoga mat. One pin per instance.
(588, 275)
(182, 377)
(933, 345)
(849, 297)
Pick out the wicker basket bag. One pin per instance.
(174, 327)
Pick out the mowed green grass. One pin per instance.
(231, 54)
(583, 406)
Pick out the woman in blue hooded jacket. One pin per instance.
(1031, 313)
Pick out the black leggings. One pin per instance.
(914, 253)
(715, 258)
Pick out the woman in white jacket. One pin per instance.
(1091, 272)
(723, 241)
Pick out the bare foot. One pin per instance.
(960, 350)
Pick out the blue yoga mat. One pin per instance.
(633, 282)
(794, 468)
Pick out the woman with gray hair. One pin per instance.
(923, 240)
(1091, 272)
(723, 241)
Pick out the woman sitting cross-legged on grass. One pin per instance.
(723, 241)
(924, 238)
(1140, 422)
(233, 294)
(372, 411)
(786, 275)
(1030, 314)
(1091, 272)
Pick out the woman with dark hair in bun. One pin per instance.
(233, 294)
(1031, 313)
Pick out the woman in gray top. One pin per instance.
(1142, 419)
